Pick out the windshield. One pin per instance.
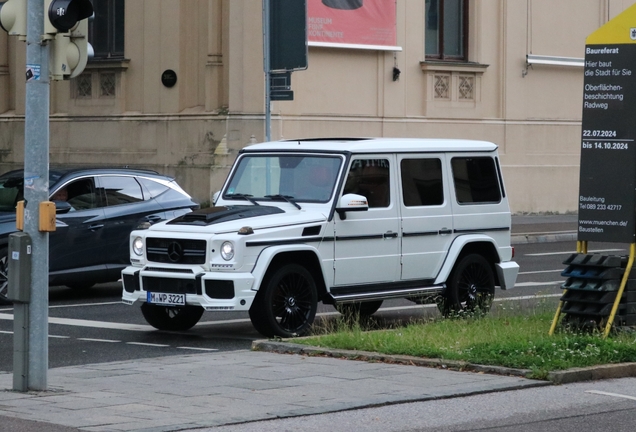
(300, 178)
(12, 189)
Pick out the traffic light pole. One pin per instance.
(36, 190)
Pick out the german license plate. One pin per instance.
(166, 299)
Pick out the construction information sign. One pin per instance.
(607, 188)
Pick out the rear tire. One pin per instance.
(171, 318)
(471, 287)
(286, 303)
(359, 309)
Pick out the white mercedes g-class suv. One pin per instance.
(349, 222)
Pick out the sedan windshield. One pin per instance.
(285, 177)
(12, 189)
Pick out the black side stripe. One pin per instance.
(481, 230)
(419, 234)
(365, 237)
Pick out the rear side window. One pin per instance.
(422, 182)
(475, 180)
(154, 188)
(121, 190)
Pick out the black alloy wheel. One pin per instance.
(471, 287)
(286, 303)
(171, 318)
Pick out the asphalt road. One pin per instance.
(93, 326)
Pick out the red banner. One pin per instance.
(351, 22)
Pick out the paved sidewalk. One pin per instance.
(206, 390)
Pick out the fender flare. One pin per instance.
(456, 249)
(267, 255)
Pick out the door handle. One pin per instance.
(445, 231)
(95, 227)
(390, 234)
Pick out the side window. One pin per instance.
(422, 182)
(154, 188)
(370, 178)
(446, 29)
(106, 30)
(475, 180)
(80, 194)
(121, 190)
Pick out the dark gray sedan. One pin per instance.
(96, 211)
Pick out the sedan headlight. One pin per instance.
(227, 251)
(138, 246)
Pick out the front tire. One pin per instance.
(471, 287)
(286, 303)
(171, 318)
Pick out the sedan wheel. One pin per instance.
(4, 276)
(359, 310)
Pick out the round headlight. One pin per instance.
(138, 246)
(227, 251)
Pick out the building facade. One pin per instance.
(467, 69)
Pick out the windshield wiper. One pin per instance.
(288, 198)
(244, 196)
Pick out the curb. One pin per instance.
(619, 370)
(542, 238)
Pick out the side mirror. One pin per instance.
(351, 202)
(215, 197)
(62, 207)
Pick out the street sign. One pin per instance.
(288, 35)
(607, 187)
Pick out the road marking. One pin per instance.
(541, 271)
(527, 284)
(86, 304)
(88, 323)
(147, 344)
(573, 252)
(611, 394)
(197, 349)
(59, 337)
(98, 340)
(146, 328)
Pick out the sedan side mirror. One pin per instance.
(351, 202)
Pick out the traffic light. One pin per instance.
(66, 24)
(69, 52)
(13, 16)
(60, 16)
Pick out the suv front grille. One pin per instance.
(175, 251)
(169, 285)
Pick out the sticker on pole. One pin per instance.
(32, 73)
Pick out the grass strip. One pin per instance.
(516, 341)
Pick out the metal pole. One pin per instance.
(36, 190)
(266, 65)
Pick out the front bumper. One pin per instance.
(214, 291)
